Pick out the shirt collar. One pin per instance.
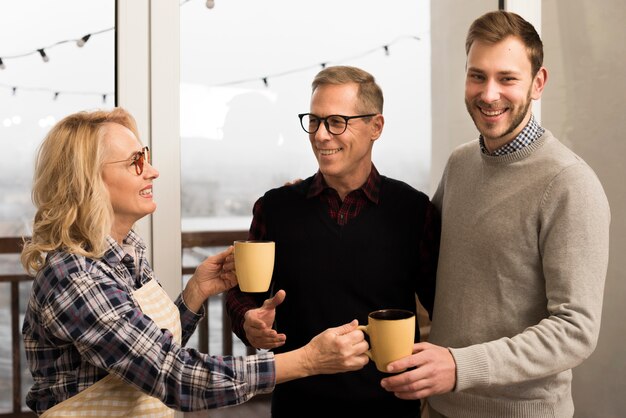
(115, 252)
(529, 134)
(371, 187)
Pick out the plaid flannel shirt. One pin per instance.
(82, 323)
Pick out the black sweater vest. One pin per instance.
(333, 274)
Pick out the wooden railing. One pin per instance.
(13, 245)
(212, 239)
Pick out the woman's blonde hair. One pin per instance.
(74, 212)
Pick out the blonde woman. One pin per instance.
(101, 336)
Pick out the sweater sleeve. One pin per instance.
(573, 248)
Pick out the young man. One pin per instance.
(348, 241)
(524, 249)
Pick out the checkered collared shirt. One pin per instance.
(82, 323)
(529, 134)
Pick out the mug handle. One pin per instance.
(368, 352)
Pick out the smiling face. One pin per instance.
(499, 89)
(130, 194)
(345, 160)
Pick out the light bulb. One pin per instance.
(44, 57)
(82, 41)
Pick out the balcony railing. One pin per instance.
(13, 245)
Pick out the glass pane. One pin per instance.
(34, 94)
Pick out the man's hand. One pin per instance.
(258, 324)
(433, 372)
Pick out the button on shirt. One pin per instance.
(82, 324)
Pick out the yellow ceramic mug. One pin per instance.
(391, 333)
(254, 264)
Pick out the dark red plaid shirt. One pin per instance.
(342, 212)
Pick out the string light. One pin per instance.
(80, 42)
(322, 64)
(264, 79)
(57, 93)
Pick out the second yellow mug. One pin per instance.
(391, 333)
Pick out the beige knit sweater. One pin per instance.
(524, 254)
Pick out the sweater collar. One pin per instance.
(115, 253)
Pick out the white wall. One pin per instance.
(583, 105)
(451, 124)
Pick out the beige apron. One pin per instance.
(110, 396)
